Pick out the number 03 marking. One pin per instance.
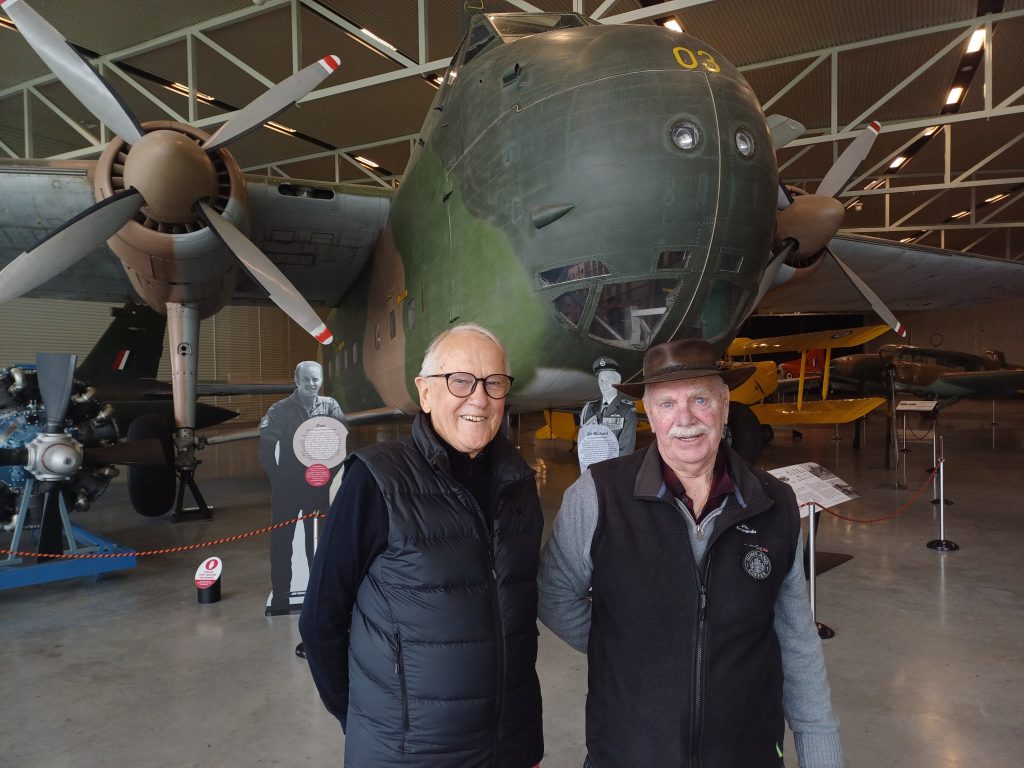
(687, 59)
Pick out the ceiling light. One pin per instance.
(380, 40)
(183, 90)
(907, 239)
(954, 95)
(875, 184)
(367, 163)
(977, 41)
(439, 79)
(931, 130)
(671, 22)
(7, 24)
(898, 162)
(996, 198)
(961, 214)
(279, 128)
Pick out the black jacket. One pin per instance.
(684, 665)
(443, 636)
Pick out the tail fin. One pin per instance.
(130, 348)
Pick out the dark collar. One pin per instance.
(721, 483)
(503, 458)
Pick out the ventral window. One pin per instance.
(629, 314)
(571, 305)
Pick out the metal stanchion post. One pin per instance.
(994, 425)
(942, 544)
(824, 632)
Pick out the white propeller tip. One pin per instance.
(323, 334)
(900, 329)
(875, 126)
(330, 63)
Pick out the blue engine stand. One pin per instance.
(15, 572)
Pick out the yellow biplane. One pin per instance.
(764, 382)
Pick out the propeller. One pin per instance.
(266, 273)
(811, 220)
(168, 172)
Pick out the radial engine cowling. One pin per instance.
(169, 254)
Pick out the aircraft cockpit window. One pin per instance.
(725, 305)
(674, 259)
(516, 26)
(479, 38)
(571, 272)
(629, 314)
(570, 305)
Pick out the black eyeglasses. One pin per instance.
(462, 384)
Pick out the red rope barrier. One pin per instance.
(168, 550)
(890, 516)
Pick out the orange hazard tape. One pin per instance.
(169, 550)
(891, 515)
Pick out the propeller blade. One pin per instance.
(841, 172)
(71, 69)
(51, 527)
(77, 237)
(784, 198)
(55, 373)
(872, 298)
(266, 273)
(144, 452)
(272, 103)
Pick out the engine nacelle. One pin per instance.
(175, 258)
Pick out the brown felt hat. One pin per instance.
(683, 359)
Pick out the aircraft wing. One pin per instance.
(798, 342)
(816, 411)
(37, 197)
(997, 383)
(320, 235)
(906, 277)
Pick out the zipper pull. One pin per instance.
(703, 602)
(700, 533)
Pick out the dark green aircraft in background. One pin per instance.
(580, 189)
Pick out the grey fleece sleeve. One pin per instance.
(563, 581)
(806, 697)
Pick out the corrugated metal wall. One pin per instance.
(239, 344)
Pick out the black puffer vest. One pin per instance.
(443, 641)
(684, 665)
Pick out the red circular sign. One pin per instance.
(317, 475)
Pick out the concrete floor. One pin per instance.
(927, 665)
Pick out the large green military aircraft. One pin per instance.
(581, 189)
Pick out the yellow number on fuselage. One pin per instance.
(687, 59)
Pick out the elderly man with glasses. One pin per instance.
(419, 622)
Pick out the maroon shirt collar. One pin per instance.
(721, 483)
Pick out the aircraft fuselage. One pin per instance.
(585, 191)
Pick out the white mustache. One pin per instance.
(694, 431)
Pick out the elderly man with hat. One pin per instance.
(614, 411)
(676, 570)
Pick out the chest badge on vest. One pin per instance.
(757, 564)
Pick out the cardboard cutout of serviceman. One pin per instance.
(302, 446)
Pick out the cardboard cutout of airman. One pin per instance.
(302, 446)
(612, 412)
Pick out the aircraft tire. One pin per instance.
(767, 433)
(744, 432)
(151, 489)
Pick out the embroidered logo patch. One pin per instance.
(745, 528)
(757, 564)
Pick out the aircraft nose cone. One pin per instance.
(811, 220)
(172, 173)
